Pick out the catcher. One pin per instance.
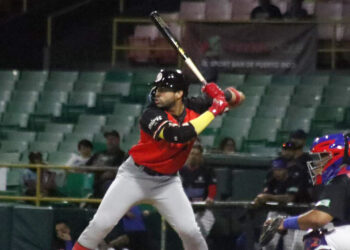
(329, 221)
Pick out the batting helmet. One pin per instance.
(329, 153)
(172, 80)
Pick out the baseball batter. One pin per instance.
(169, 127)
(330, 219)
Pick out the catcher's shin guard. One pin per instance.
(77, 246)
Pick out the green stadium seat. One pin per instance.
(22, 135)
(130, 140)
(115, 88)
(42, 146)
(144, 77)
(338, 79)
(280, 90)
(207, 140)
(25, 96)
(242, 112)
(301, 112)
(251, 101)
(13, 146)
(9, 75)
(271, 111)
(95, 87)
(7, 86)
(76, 137)
(92, 76)
(20, 107)
(14, 179)
(337, 90)
(68, 147)
(59, 86)
(337, 100)
(139, 92)
(14, 120)
(87, 99)
(286, 79)
(63, 76)
(233, 126)
(329, 114)
(194, 90)
(57, 96)
(119, 76)
(309, 89)
(315, 79)
(3, 105)
(28, 75)
(9, 157)
(87, 128)
(44, 108)
(264, 129)
(251, 181)
(127, 109)
(92, 119)
(78, 185)
(5, 95)
(252, 90)
(258, 80)
(275, 100)
(59, 158)
(230, 79)
(292, 123)
(59, 127)
(25, 85)
(306, 101)
(49, 136)
(127, 121)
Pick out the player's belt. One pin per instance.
(152, 172)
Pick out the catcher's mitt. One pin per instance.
(269, 230)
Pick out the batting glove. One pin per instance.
(212, 90)
(219, 106)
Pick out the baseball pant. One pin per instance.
(132, 185)
(205, 220)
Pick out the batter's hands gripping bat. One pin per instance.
(164, 29)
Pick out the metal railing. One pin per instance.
(333, 49)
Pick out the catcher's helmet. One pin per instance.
(172, 80)
(328, 153)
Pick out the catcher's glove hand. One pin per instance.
(269, 230)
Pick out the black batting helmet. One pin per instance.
(171, 79)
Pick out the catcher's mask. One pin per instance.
(328, 154)
(172, 80)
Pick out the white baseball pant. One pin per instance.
(132, 185)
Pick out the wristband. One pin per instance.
(291, 223)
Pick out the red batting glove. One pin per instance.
(219, 106)
(212, 90)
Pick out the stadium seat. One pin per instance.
(251, 101)
(7, 86)
(207, 141)
(63, 76)
(22, 135)
(91, 76)
(192, 10)
(275, 100)
(285, 80)
(236, 126)
(238, 138)
(25, 96)
(76, 137)
(329, 114)
(258, 80)
(59, 86)
(261, 149)
(242, 112)
(122, 130)
(218, 10)
(264, 129)
(127, 109)
(315, 79)
(279, 90)
(57, 96)
(15, 120)
(9, 157)
(59, 127)
(144, 77)
(338, 79)
(120, 76)
(194, 90)
(337, 99)
(43, 146)
(9, 75)
(87, 128)
(115, 88)
(25, 85)
(127, 121)
(28, 75)
(301, 112)
(13, 146)
(87, 99)
(2, 106)
(86, 119)
(309, 89)
(252, 90)
(78, 185)
(68, 147)
(129, 140)
(59, 158)
(44, 108)
(305, 100)
(5, 95)
(230, 79)
(271, 111)
(20, 107)
(292, 123)
(49, 136)
(95, 87)
(214, 126)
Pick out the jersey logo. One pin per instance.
(154, 121)
(324, 203)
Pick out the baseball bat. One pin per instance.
(165, 31)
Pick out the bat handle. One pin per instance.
(195, 70)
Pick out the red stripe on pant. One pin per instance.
(77, 246)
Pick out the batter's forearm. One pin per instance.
(202, 121)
